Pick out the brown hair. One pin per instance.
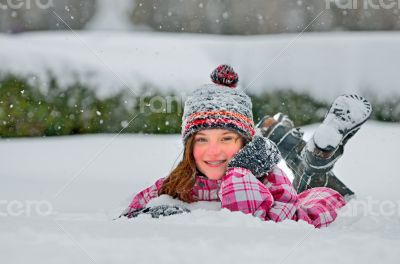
(181, 180)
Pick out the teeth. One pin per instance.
(214, 162)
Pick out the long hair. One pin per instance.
(180, 182)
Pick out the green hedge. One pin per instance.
(27, 111)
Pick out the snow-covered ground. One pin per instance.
(58, 196)
(323, 64)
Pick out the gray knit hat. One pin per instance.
(219, 105)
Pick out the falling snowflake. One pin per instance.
(124, 124)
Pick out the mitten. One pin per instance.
(259, 156)
(157, 211)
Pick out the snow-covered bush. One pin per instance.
(26, 110)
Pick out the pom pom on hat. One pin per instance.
(225, 75)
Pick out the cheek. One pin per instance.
(197, 153)
(230, 153)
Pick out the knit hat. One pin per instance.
(219, 105)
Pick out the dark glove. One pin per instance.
(259, 156)
(157, 211)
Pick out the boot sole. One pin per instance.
(335, 135)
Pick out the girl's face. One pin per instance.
(213, 149)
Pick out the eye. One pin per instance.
(227, 139)
(200, 140)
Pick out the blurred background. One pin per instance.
(201, 16)
(101, 66)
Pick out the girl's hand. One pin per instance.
(157, 211)
(259, 156)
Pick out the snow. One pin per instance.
(82, 182)
(326, 136)
(109, 61)
(338, 121)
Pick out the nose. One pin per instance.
(214, 148)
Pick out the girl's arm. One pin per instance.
(271, 198)
(140, 200)
(242, 191)
(285, 196)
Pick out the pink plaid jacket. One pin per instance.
(271, 197)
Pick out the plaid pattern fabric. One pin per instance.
(241, 191)
(271, 197)
(285, 196)
(141, 199)
(205, 189)
(318, 206)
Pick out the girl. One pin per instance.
(224, 160)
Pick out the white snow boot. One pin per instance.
(343, 120)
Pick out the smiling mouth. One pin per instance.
(215, 163)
